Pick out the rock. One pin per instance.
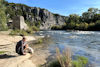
(35, 15)
(19, 61)
(19, 23)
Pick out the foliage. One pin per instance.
(30, 31)
(56, 27)
(77, 63)
(3, 19)
(37, 24)
(73, 21)
(81, 61)
(88, 21)
(39, 41)
(33, 26)
(54, 63)
(2, 52)
(65, 60)
(18, 32)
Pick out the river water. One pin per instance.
(83, 43)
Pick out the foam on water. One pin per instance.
(84, 32)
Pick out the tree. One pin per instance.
(3, 20)
(74, 18)
(89, 16)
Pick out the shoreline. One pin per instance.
(10, 59)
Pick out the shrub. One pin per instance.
(54, 63)
(76, 63)
(13, 33)
(35, 28)
(22, 32)
(56, 27)
(30, 31)
(83, 59)
(39, 41)
(64, 60)
(18, 32)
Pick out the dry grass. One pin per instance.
(65, 58)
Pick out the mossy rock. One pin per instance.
(2, 52)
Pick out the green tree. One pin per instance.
(3, 20)
(71, 25)
(89, 16)
(74, 18)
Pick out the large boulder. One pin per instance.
(19, 23)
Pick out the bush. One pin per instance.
(22, 32)
(79, 62)
(14, 32)
(30, 31)
(65, 60)
(35, 28)
(56, 27)
(39, 41)
(54, 64)
(83, 59)
(76, 63)
(18, 32)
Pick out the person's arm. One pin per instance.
(26, 46)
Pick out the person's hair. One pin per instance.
(24, 38)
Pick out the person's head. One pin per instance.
(24, 39)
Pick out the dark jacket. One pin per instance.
(19, 48)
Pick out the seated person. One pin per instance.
(22, 47)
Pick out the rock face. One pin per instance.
(36, 15)
(19, 23)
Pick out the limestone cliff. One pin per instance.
(35, 15)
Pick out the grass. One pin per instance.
(18, 32)
(40, 41)
(65, 60)
(80, 62)
(2, 52)
(31, 30)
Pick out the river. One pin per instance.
(83, 43)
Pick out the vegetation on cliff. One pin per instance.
(3, 18)
(36, 17)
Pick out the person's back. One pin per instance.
(19, 48)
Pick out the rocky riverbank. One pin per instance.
(8, 57)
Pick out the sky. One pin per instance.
(62, 7)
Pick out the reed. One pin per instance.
(65, 58)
